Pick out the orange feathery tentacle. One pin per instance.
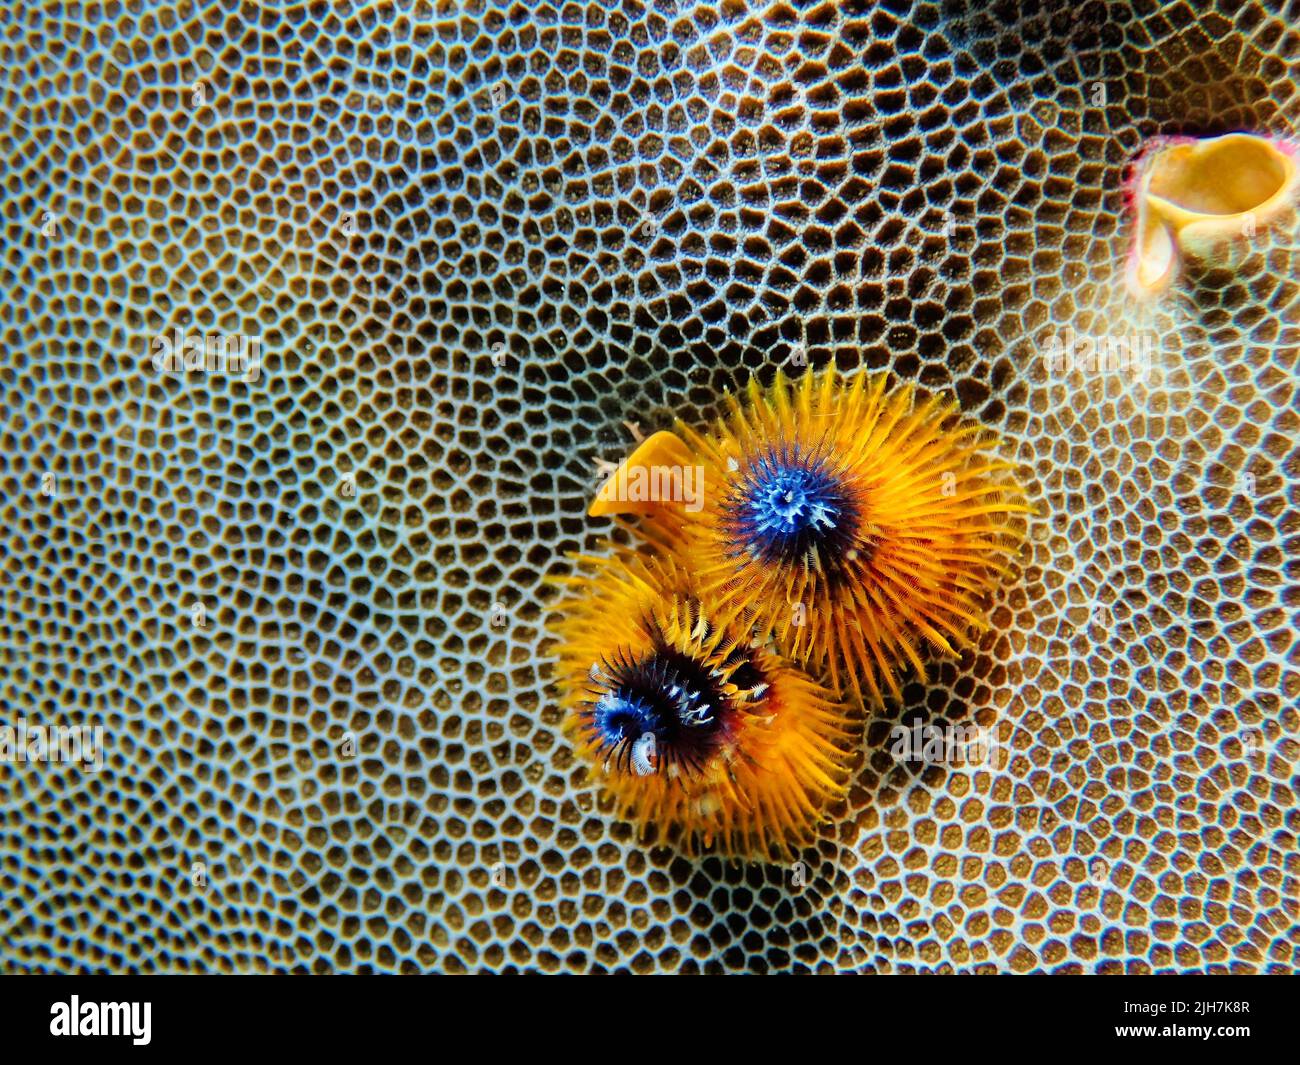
(689, 727)
(852, 522)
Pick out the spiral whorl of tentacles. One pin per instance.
(836, 523)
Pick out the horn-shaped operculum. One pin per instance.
(1192, 196)
(622, 493)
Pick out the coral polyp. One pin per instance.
(692, 729)
(855, 524)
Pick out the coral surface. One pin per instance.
(474, 240)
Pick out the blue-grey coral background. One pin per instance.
(477, 238)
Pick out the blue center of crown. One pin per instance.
(790, 501)
(786, 504)
(677, 698)
(620, 716)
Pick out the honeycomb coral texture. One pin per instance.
(475, 240)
